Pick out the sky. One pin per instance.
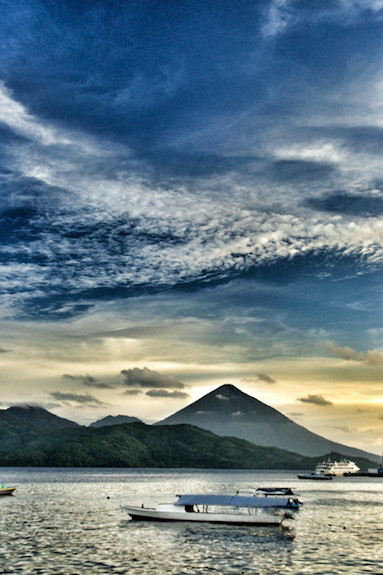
(192, 195)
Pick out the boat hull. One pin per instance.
(315, 476)
(261, 519)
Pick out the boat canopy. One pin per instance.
(235, 500)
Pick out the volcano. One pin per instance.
(228, 411)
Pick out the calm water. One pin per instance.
(68, 522)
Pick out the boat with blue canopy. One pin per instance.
(216, 508)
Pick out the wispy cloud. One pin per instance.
(260, 377)
(345, 428)
(371, 357)
(222, 397)
(282, 15)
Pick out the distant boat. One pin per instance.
(227, 509)
(336, 467)
(328, 469)
(7, 490)
(316, 476)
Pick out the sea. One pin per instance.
(70, 522)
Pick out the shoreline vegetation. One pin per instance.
(134, 445)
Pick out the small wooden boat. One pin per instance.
(228, 509)
(7, 490)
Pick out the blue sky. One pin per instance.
(192, 195)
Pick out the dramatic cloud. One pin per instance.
(87, 380)
(137, 377)
(315, 399)
(94, 242)
(371, 357)
(167, 394)
(77, 398)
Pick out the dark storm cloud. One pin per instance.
(315, 399)
(87, 380)
(145, 377)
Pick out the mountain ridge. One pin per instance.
(114, 420)
(137, 445)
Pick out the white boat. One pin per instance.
(228, 509)
(336, 467)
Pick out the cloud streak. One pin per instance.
(77, 399)
(87, 380)
(163, 393)
(315, 400)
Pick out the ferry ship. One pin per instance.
(336, 467)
